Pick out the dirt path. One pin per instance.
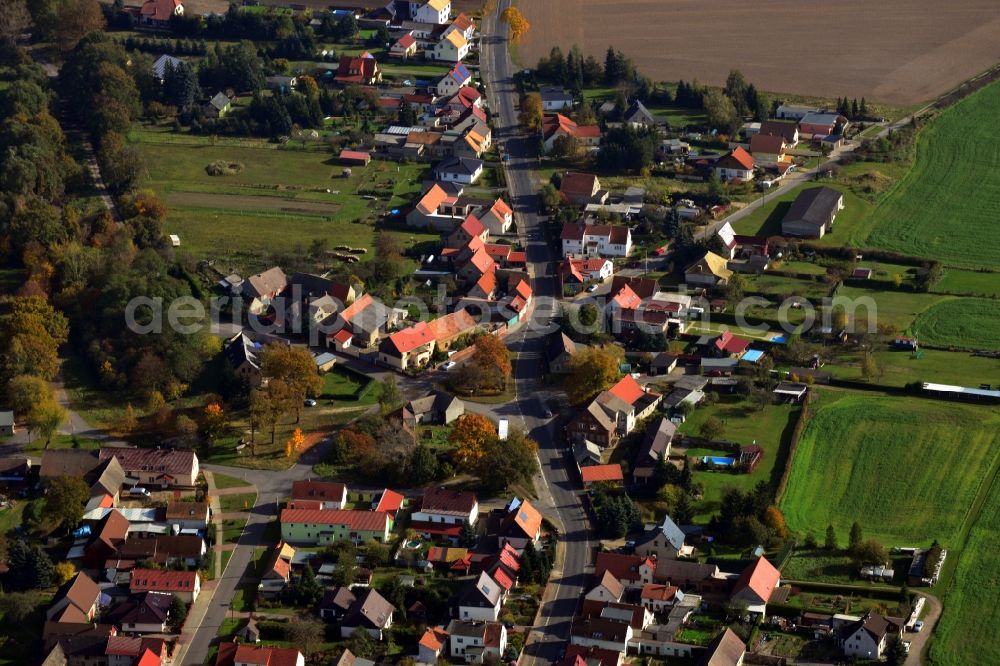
(918, 642)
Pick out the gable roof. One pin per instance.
(450, 325)
(669, 529)
(459, 74)
(659, 434)
(715, 265)
(433, 639)
(432, 200)
(462, 165)
(371, 610)
(730, 343)
(786, 130)
(637, 111)
(760, 577)
(526, 519)
(621, 566)
(456, 39)
(658, 592)
(601, 473)
(726, 649)
(813, 206)
(483, 588)
(737, 158)
(627, 390)
(408, 339)
(69, 462)
(368, 521)
(168, 462)
(626, 299)
(160, 64)
(601, 416)
(579, 183)
(153, 580)
(447, 501)
(80, 594)
(318, 490)
(767, 143)
(611, 583)
(389, 502)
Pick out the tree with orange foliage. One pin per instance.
(775, 521)
(516, 22)
(531, 112)
(213, 419)
(489, 368)
(295, 442)
(471, 436)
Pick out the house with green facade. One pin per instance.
(321, 527)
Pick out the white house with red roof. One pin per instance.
(156, 14)
(497, 218)
(470, 228)
(614, 413)
(409, 348)
(577, 272)
(735, 166)
(185, 584)
(405, 47)
(730, 345)
(238, 654)
(443, 512)
(427, 211)
(556, 126)
(431, 645)
(632, 571)
(325, 526)
(756, 585)
(595, 240)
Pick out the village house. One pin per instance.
(595, 240)
(453, 47)
(107, 536)
(76, 602)
(602, 633)
(556, 126)
(358, 70)
(793, 112)
(613, 413)
(577, 273)
(497, 218)
(429, 213)
(866, 638)
(164, 468)
(726, 649)
(755, 586)
(474, 642)
(710, 270)
(815, 124)
(146, 613)
(660, 598)
(318, 527)
(370, 612)
(217, 106)
(632, 571)
(409, 348)
(788, 131)
(443, 512)
(735, 166)
(185, 584)
(465, 170)
(135, 651)
(637, 115)
(329, 494)
(156, 14)
(480, 599)
(261, 289)
(692, 577)
(580, 189)
(767, 149)
(238, 654)
(454, 80)
(450, 328)
(161, 64)
(277, 571)
(655, 447)
(243, 356)
(404, 47)
(470, 228)
(432, 644)
(360, 323)
(560, 353)
(431, 11)
(608, 588)
(521, 524)
(812, 213)
(663, 542)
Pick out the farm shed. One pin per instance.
(355, 157)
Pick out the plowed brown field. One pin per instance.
(899, 52)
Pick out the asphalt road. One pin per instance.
(559, 493)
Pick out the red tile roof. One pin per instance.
(434, 638)
(657, 592)
(523, 289)
(318, 490)
(527, 518)
(432, 199)
(627, 389)
(390, 502)
(264, 656)
(740, 156)
(447, 501)
(406, 41)
(501, 577)
(498, 251)
(159, 10)
(165, 461)
(626, 299)
(367, 521)
(482, 261)
(355, 308)
(446, 327)
(472, 226)
(599, 473)
(487, 284)
(356, 155)
(149, 658)
(411, 338)
(578, 183)
(501, 208)
(518, 257)
(731, 344)
(760, 577)
(356, 69)
(622, 567)
(463, 22)
(767, 143)
(154, 580)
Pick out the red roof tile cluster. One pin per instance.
(155, 580)
(325, 491)
(411, 338)
(602, 473)
(584, 184)
(729, 343)
(447, 501)
(367, 521)
(626, 299)
(627, 389)
(760, 577)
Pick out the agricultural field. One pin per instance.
(968, 323)
(957, 281)
(944, 208)
(934, 52)
(279, 201)
(770, 429)
(896, 308)
(907, 470)
(971, 611)
(900, 368)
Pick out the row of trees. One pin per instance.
(750, 518)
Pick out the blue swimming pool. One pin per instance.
(779, 339)
(719, 461)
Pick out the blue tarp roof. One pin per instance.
(752, 355)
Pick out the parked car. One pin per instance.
(138, 491)
(448, 366)
(592, 288)
(917, 626)
(309, 402)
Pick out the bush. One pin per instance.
(224, 168)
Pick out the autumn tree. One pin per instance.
(871, 370)
(295, 368)
(390, 398)
(489, 367)
(512, 461)
(775, 521)
(64, 572)
(44, 418)
(470, 437)
(592, 370)
(213, 420)
(26, 391)
(14, 20)
(31, 331)
(516, 22)
(307, 636)
(128, 420)
(711, 428)
(295, 442)
(531, 112)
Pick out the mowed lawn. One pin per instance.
(945, 207)
(957, 281)
(279, 202)
(906, 469)
(969, 323)
(972, 615)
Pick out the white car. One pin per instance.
(309, 402)
(448, 366)
(592, 288)
(139, 491)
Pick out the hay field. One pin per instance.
(900, 52)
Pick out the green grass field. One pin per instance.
(957, 281)
(898, 308)
(906, 469)
(766, 220)
(900, 368)
(945, 207)
(343, 385)
(971, 609)
(771, 429)
(969, 323)
(279, 202)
